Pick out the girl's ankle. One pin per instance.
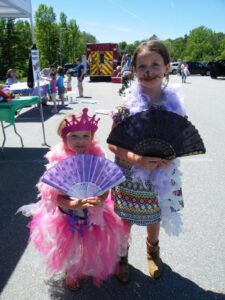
(72, 283)
(152, 243)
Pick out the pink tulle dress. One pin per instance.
(82, 247)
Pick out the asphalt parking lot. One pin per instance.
(194, 262)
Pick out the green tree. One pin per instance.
(201, 45)
(122, 46)
(3, 52)
(63, 42)
(47, 35)
(130, 49)
(22, 46)
(154, 37)
(176, 48)
(63, 39)
(15, 41)
(76, 44)
(221, 50)
(8, 43)
(88, 38)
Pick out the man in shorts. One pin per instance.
(80, 76)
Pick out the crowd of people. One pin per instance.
(90, 236)
(60, 82)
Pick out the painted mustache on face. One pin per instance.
(152, 77)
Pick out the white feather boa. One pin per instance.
(137, 101)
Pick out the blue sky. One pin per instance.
(131, 20)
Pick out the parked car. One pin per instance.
(66, 67)
(174, 67)
(217, 68)
(207, 64)
(54, 66)
(73, 71)
(195, 68)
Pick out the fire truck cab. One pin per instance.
(102, 59)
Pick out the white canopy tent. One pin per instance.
(21, 9)
(17, 9)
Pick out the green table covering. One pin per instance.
(8, 109)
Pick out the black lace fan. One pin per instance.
(157, 133)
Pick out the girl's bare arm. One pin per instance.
(149, 163)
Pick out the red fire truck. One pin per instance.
(102, 59)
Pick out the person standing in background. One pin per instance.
(68, 82)
(53, 91)
(80, 77)
(60, 84)
(11, 77)
(184, 71)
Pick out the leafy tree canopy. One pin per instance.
(61, 42)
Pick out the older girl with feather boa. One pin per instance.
(151, 196)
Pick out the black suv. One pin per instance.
(217, 68)
(73, 71)
(66, 67)
(197, 68)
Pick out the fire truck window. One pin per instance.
(101, 58)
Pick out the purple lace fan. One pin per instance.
(83, 176)
(157, 133)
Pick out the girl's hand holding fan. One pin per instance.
(86, 177)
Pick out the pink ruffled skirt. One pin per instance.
(94, 253)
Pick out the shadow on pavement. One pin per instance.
(33, 115)
(22, 155)
(171, 286)
(19, 173)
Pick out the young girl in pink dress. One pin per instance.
(88, 241)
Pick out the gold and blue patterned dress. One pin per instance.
(135, 200)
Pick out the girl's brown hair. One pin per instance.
(52, 74)
(60, 70)
(152, 45)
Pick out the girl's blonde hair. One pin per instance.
(62, 124)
